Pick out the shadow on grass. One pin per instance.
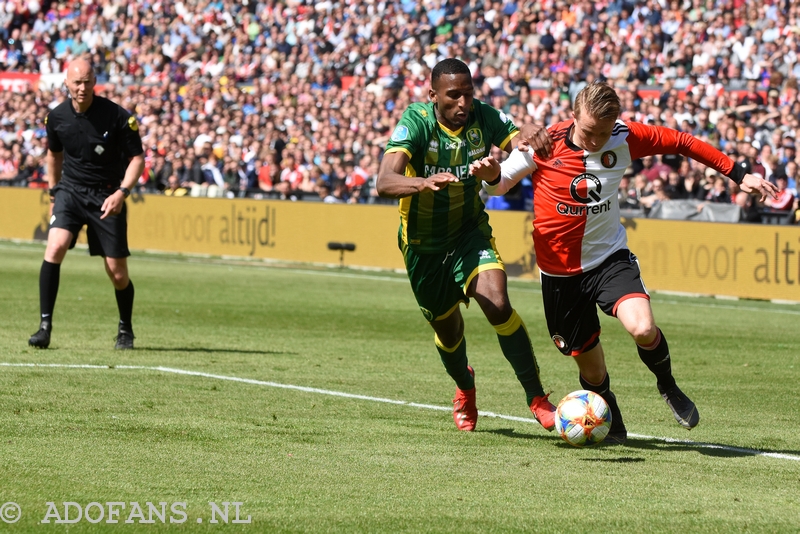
(708, 449)
(511, 433)
(652, 444)
(620, 460)
(208, 350)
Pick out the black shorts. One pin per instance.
(76, 206)
(570, 302)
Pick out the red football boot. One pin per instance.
(544, 412)
(465, 411)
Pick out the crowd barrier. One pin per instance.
(742, 260)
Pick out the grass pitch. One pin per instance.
(304, 458)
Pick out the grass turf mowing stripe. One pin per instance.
(186, 372)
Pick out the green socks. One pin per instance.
(516, 346)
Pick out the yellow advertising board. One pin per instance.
(753, 261)
(281, 230)
(743, 260)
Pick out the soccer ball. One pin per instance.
(583, 418)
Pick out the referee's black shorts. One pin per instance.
(76, 206)
(570, 302)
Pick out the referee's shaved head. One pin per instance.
(79, 68)
(80, 84)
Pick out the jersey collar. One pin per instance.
(568, 139)
(448, 131)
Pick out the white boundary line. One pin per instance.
(753, 452)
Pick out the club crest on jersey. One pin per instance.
(608, 159)
(400, 134)
(586, 188)
(428, 315)
(475, 136)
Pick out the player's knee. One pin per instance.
(499, 315)
(119, 279)
(496, 307)
(643, 332)
(55, 253)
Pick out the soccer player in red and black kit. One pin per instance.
(581, 246)
(94, 158)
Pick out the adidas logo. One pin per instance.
(558, 163)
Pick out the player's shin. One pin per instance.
(656, 358)
(125, 304)
(49, 277)
(455, 362)
(516, 346)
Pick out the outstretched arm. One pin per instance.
(393, 183)
(651, 140)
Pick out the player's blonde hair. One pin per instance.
(599, 100)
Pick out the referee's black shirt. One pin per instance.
(96, 144)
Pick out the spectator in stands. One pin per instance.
(691, 187)
(626, 194)
(30, 170)
(174, 187)
(749, 207)
(790, 171)
(285, 71)
(190, 172)
(785, 198)
(672, 186)
(719, 191)
(162, 170)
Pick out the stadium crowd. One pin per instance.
(296, 99)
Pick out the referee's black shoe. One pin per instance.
(41, 339)
(124, 338)
(682, 407)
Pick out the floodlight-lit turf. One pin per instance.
(276, 396)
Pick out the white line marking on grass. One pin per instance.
(753, 452)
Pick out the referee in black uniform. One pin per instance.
(94, 158)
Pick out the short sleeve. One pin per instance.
(130, 140)
(499, 126)
(53, 142)
(409, 134)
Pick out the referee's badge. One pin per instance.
(132, 124)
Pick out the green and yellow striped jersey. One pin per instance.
(434, 221)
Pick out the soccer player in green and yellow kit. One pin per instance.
(444, 233)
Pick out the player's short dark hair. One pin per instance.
(449, 66)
